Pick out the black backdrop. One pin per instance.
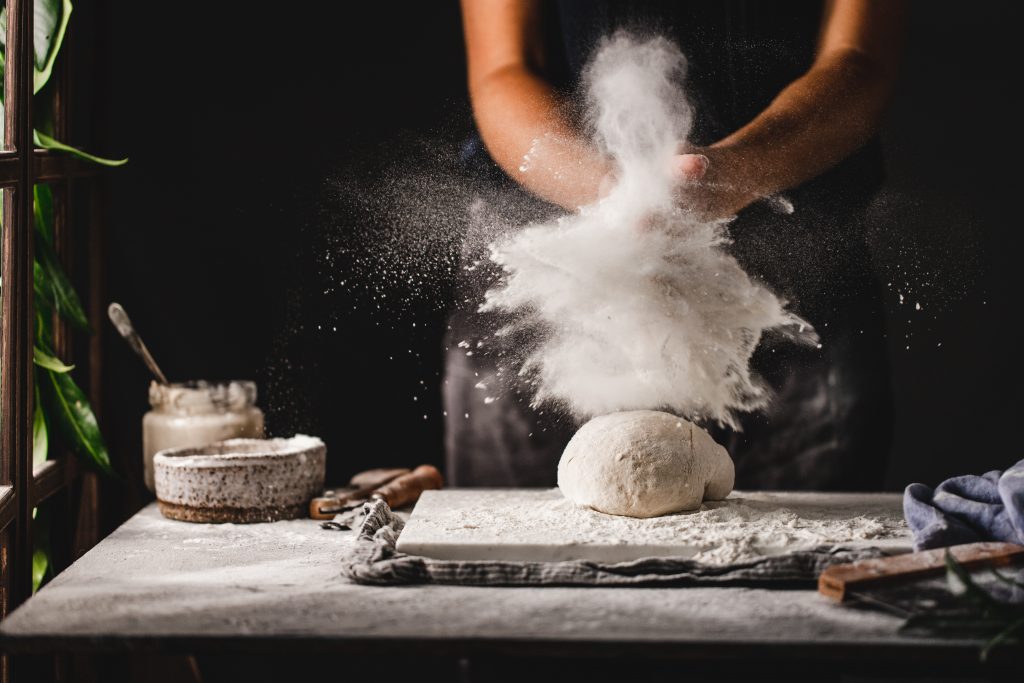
(246, 129)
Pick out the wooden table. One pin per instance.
(158, 585)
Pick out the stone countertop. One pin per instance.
(162, 585)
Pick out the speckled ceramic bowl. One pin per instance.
(240, 480)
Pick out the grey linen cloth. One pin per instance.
(375, 561)
(967, 509)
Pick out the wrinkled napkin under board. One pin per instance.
(374, 560)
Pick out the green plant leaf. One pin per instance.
(46, 142)
(49, 23)
(55, 287)
(1005, 635)
(40, 436)
(40, 563)
(972, 591)
(1005, 579)
(41, 285)
(44, 327)
(42, 206)
(51, 285)
(45, 360)
(69, 408)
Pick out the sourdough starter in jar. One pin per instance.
(195, 414)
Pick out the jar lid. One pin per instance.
(201, 396)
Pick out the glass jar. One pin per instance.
(195, 414)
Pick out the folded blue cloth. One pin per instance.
(967, 509)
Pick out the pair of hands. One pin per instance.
(706, 183)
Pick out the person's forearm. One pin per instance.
(814, 123)
(528, 134)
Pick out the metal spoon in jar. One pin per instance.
(124, 326)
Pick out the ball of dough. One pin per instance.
(643, 463)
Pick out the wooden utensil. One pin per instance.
(408, 487)
(376, 477)
(395, 486)
(844, 581)
(124, 326)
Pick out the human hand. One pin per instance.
(709, 184)
(706, 182)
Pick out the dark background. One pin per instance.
(252, 142)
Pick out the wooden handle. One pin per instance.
(839, 580)
(333, 502)
(360, 488)
(373, 479)
(408, 487)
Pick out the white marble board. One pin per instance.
(540, 525)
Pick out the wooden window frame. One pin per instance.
(59, 480)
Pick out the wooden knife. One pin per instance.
(856, 579)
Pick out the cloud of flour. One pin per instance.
(634, 302)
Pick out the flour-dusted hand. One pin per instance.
(689, 167)
(710, 184)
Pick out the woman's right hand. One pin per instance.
(710, 185)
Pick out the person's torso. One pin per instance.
(741, 53)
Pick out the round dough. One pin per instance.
(643, 463)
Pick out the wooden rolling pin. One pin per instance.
(843, 581)
(408, 487)
(375, 478)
